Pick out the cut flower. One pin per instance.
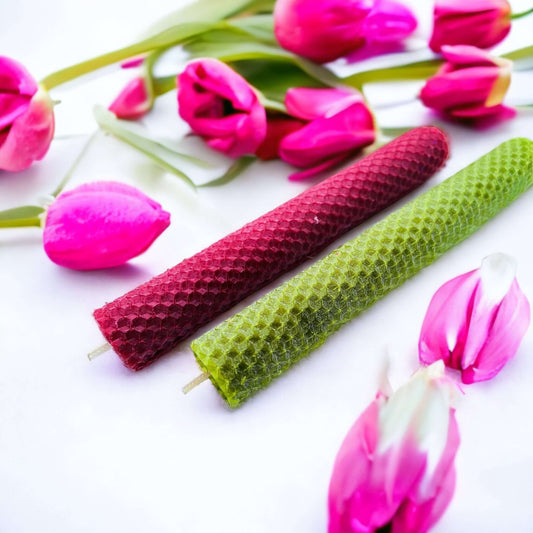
(395, 468)
(476, 321)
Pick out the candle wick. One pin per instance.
(195, 382)
(99, 351)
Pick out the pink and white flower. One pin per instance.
(220, 106)
(395, 467)
(470, 85)
(100, 225)
(475, 322)
(26, 117)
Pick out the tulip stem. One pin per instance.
(413, 71)
(170, 37)
(77, 161)
(21, 217)
(195, 382)
(515, 16)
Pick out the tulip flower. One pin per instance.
(100, 225)
(476, 321)
(470, 85)
(321, 31)
(395, 469)
(278, 127)
(338, 124)
(26, 117)
(134, 101)
(389, 21)
(481, 23)
(220, 105)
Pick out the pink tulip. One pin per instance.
(470, 85)
(395, 469)
(481, 23)
(475, 322)
(222, 107)
(134, 101)
(339, 123)
(26, 117)
(389, 22)
(100, 225)
(321, 31)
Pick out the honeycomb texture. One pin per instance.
(150, 320)
(246, 352)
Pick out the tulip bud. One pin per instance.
(389, 22)
(476, 321)
(134, 101)
(100, 225)
(321, 31)
(395, 467)
(482, 23)
(222, 107)
(278, 127)
(470, 85)
(339, 123)
(26, 117)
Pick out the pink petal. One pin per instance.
(134, 101)
(309, 104)
(12, 106)
(465, 55)
(278, 127)
(100, 225)
(389, 21)
(445, 325)
(14, 78)
(502, 339)
(29, 136)
(313, 171)
(325, 138)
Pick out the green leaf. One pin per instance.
(209, 11)
(233, 171)
(522, 58)
(120, 129)
(273, 78)
(259, 26)
(241, 50)
(18, 217)
(411, 71)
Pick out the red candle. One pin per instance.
(150, 320)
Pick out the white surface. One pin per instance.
(92, 447)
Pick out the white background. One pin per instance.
(92, 447)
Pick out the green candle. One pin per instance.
(246, 352)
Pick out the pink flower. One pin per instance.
(100, 225)
(278, 127)
(481, 23)
(339, 123)
(389, 22)
(321, 31)
(134, 101)
(476, 321)
(470, 85)
(395, 467)
(222, 107)
(26, 117)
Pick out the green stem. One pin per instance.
(165, 39)
(164, 84)
(74, 165)
(521, 53)
(21, 217)
(515, 16)
(412, 71)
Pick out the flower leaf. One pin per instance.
(108, 122)
(18, 217)
(233, 171)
